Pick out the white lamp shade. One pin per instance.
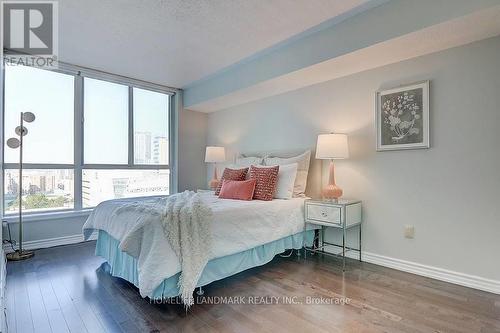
(332, 146)
(215, 154)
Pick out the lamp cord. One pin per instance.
(287, 255)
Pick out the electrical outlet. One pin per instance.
(409, 231)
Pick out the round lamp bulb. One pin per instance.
(28, 117)
(24, 130)
(13, 143)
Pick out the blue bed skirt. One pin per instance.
(125, 266)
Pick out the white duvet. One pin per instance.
(237, 226)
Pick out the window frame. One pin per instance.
(79, 74)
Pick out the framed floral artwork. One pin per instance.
(402, 117)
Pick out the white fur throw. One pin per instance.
(187, 226)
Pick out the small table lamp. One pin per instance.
(332, 147)
(214, 155)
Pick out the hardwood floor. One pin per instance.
(66, 289)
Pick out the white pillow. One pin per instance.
(286, 180)
(247, 161)
(302, 161)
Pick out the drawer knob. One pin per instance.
(324, 214)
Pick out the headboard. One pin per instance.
(313, 188)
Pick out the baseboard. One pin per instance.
(466, 280)
(51, 242)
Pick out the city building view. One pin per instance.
(149, 149)
(42, 190)
(101, 185)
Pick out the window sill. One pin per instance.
(47, 216)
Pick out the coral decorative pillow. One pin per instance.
(238, 190)
(266, 179)
(231, 174)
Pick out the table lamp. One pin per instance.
(332, 147)
(213, 155)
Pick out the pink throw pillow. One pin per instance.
(266, 181)
(238, 190)
(231, 174)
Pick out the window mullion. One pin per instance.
(174, 105)
(78, 142)
(130, 126)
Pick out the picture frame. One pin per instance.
(402, 117)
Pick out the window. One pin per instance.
(106, 122)
(100, 185)
(50, 96)
(150, 127)
(93, 139)
(42, 190)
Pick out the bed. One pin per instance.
(245, 234)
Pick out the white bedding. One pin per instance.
(237, 226)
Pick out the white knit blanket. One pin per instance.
(187, 226)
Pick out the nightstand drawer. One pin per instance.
(323, 213)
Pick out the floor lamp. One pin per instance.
(14, 143)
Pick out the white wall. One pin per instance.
(192, 142)
(43, 229)
(450, 193)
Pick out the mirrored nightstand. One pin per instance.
(342, 214)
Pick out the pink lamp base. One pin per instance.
(214, 183)
(332, 192)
